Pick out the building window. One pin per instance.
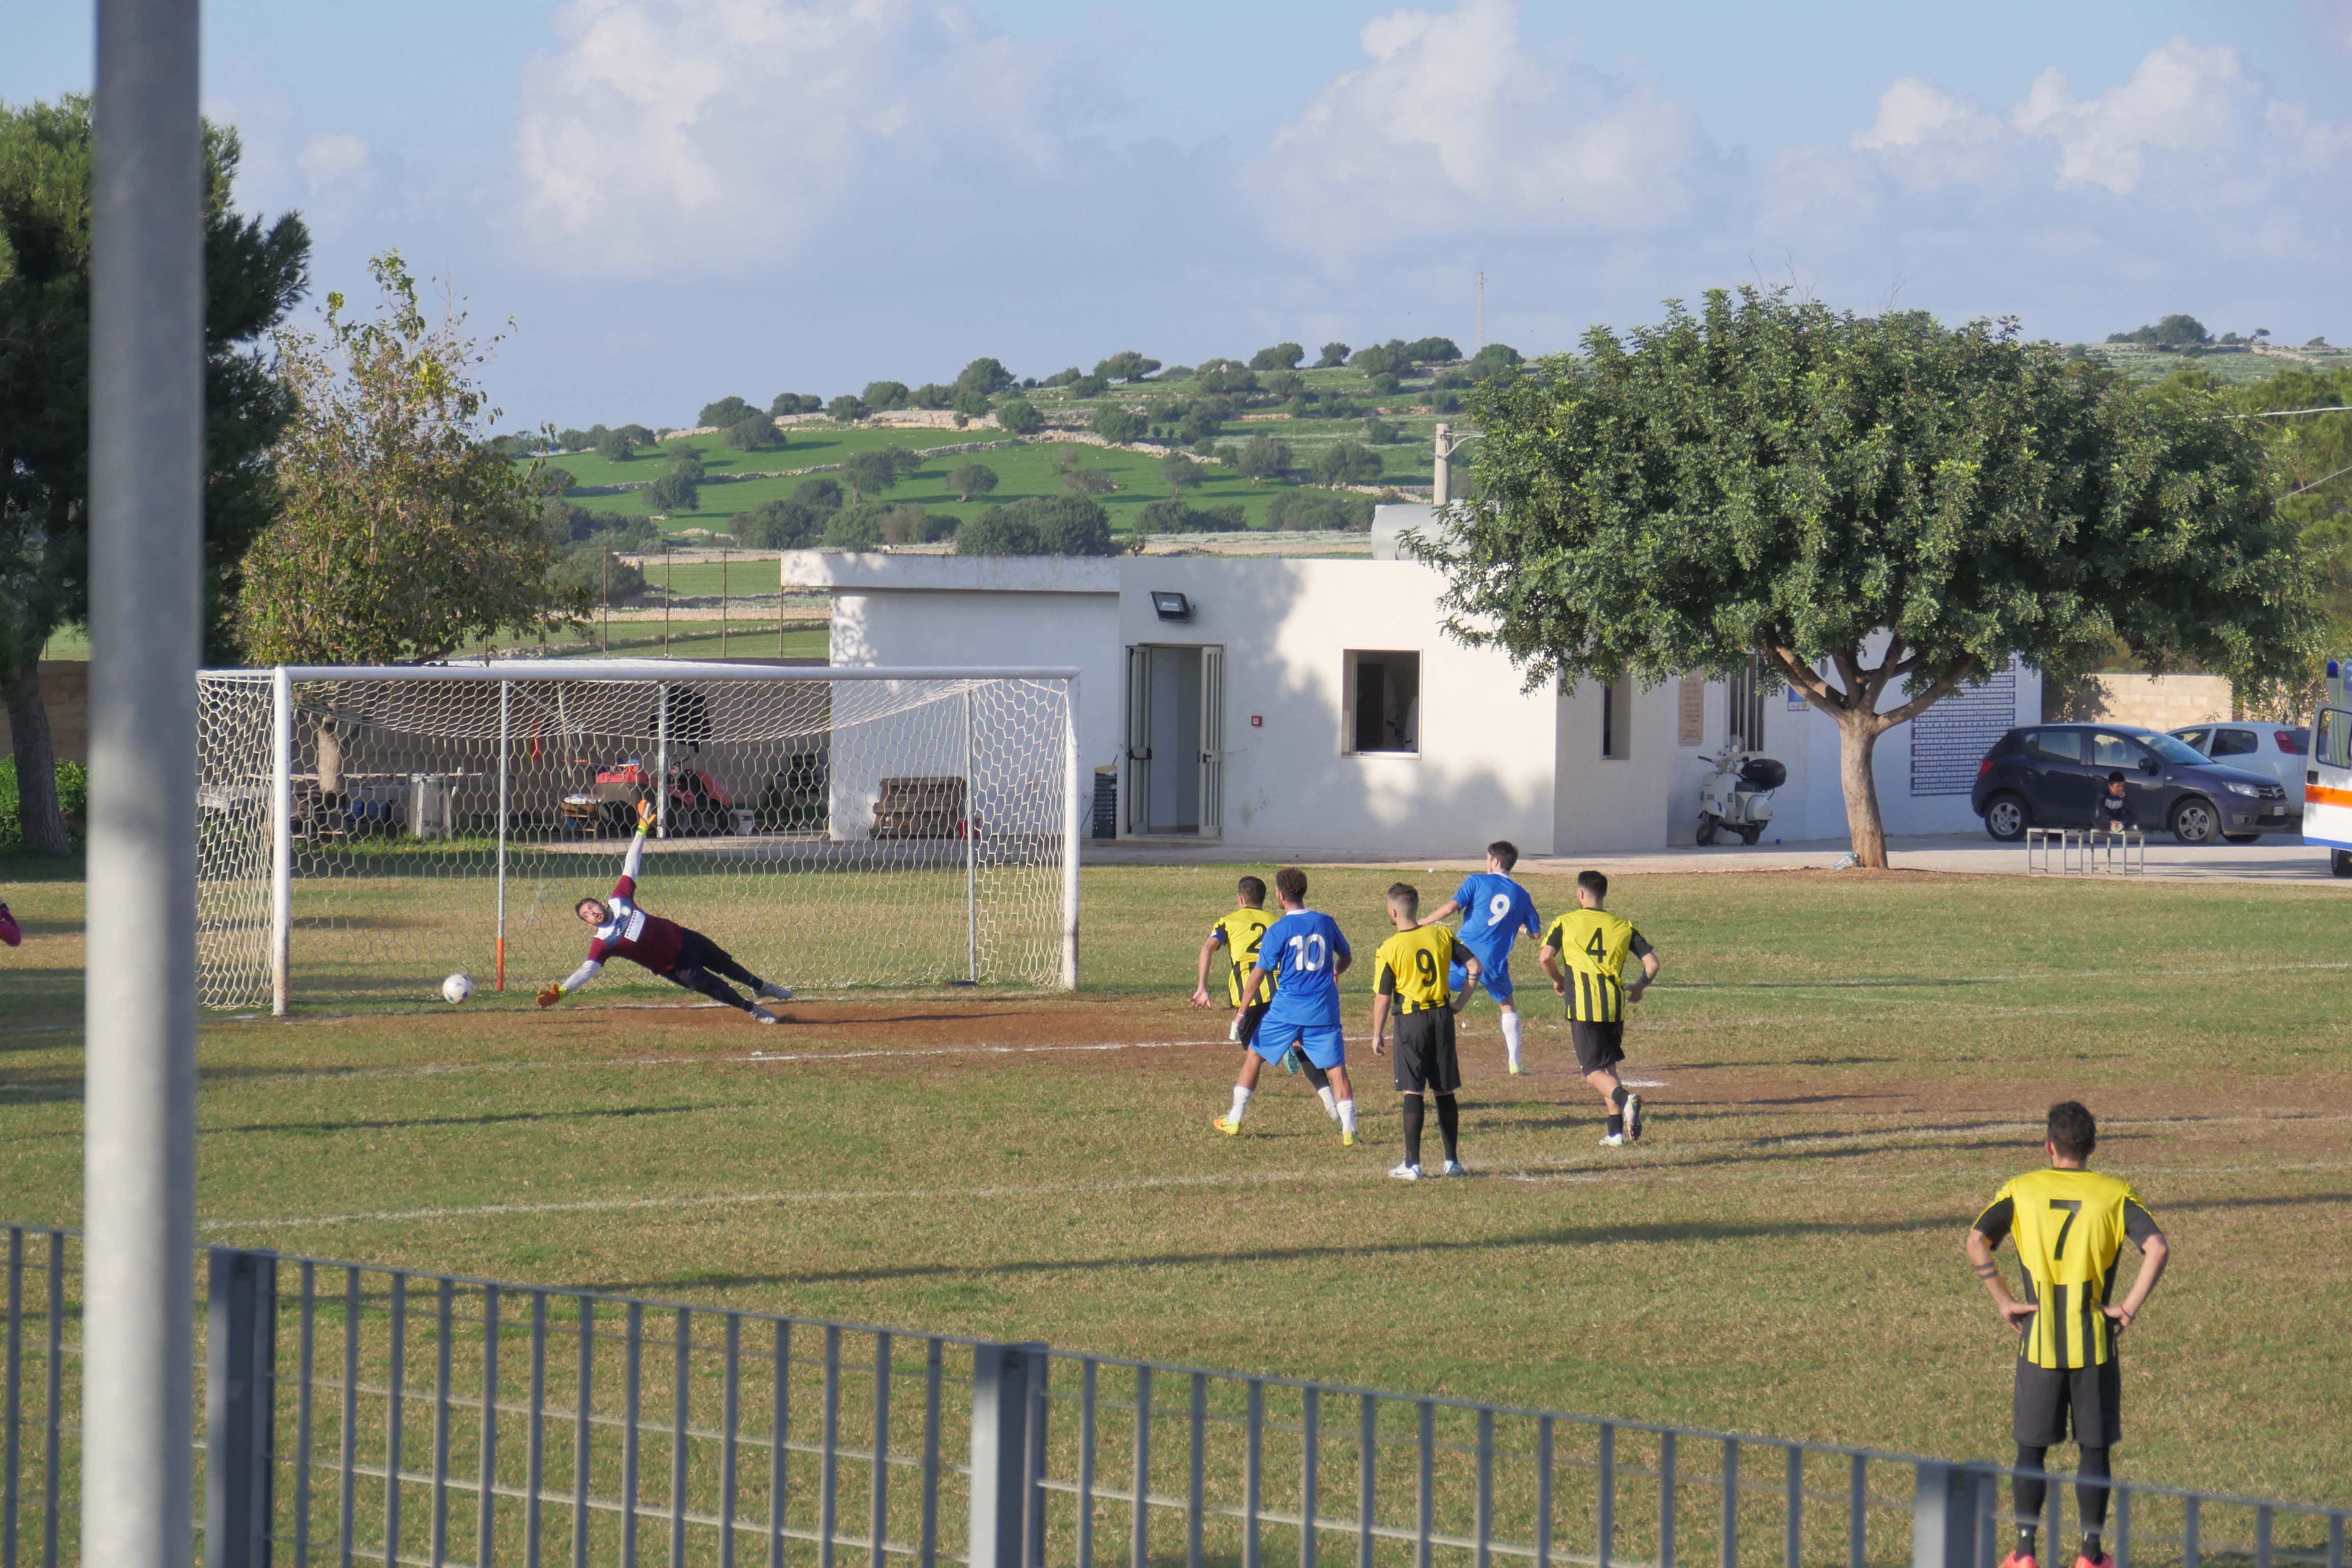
(1617, 719)
(1383, 696)
(1744, 713)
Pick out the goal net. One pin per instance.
(364, 832)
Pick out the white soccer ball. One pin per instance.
(456, 988)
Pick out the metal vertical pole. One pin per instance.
(665, 598)
(146, 427)
(1000, 1449)
(971, 853)
(661, 760)
(506, 731)
(240, 1385)
(1071, 804)
(281, 840)
(722, 604)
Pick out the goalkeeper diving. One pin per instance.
(680, 956)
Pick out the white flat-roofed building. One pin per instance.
(1295, 708)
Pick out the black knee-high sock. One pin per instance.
(1316, 1078)
(2027, 1492)
(1449, 1123)
(1413, 1113)
(721, 962)
(2091, 1498)
(710, 986)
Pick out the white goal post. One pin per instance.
(363, 831)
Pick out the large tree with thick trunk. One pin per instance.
(253, 275)
(1882, 508)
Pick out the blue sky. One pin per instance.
(677, 199)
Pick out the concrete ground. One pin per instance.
(2284, 860)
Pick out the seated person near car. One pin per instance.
(2113, 812)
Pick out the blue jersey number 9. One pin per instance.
(1498, 909)
(1306, 954)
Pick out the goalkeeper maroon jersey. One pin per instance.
(633, 934)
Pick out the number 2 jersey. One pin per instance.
(1300, 949)
(2070, 1227)
(1239, 933)
(1594, 944)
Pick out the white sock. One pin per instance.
(1511, 1036)
(1346, 1116)
(1330, 1101)
(1241, 1101)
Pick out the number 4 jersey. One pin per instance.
(1300, 949)
(2070, 1226)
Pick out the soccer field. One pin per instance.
(1845, 1069)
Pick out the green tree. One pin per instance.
(591, 574)
(1334, 356)
(1090, 386)
(970, 403)
(1019, 416)
(913, 525)
(756, 434)
(856, 527)
(880, 395)
(984, 376)
(1382, 432)
(726, 411)
(1318, 511)
(1126, 365)
(1261, 457)
(871, 473)
(2174, 329)
(1180, 472)
(400, 534)
(551, 480)
(1088, 483)
(1347, 463)
(846, 409)
(1114, 422)
(969, 479)
(795, 403)
(1221, 376)
(1063, 525)
(1281, 356)
(672, 493)
(1882, 508)
(615, 447)
(821, 495)
(636, 436)
(788, 524)
(253, 273)
(997, 531)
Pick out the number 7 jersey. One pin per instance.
(1301, 949)
(2070, 1227)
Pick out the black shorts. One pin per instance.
(1251, 1016)
(1425, 1052)
(1598, 1046)
(2046, 1397)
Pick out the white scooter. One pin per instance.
(1737, 797)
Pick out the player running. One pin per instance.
(1410, 972)
(1495, 910)
(1238, 931)
(2069, 1224)
(680, 956)
(1594, 945)
(1306, 950)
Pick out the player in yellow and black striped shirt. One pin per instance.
(1585, 952)
(1238, 931)
(1412, 977)
(2070, 1225)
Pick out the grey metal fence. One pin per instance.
(361, 1415)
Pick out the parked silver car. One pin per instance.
(2279, 751)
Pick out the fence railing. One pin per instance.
(356, 1415)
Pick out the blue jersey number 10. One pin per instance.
(1306, 954)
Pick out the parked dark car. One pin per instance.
(2050, 775)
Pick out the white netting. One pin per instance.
(829, 833)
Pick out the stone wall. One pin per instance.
(65, 689)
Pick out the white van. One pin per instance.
(2327, 774)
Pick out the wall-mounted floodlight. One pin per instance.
(1172, 606)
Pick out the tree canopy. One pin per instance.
(726, 411)
(1882, 508)
(400, 531)
(2176, 328)
(983, 376)
(1063, 525)
(1126, 365)
(969, 479)
(870, 473)
(1019, 416)
(1281, 356)
(253, 273)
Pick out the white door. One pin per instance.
(1212, 741)
(1138, 739)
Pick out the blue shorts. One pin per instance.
(1496, 980)
(1323, 1042)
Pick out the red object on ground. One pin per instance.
(8, 931)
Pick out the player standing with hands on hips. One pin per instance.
(1594, 945)
(1306, 954)
(2070, 1224)
(680, 956)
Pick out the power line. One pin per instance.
(2316, 483)
(2288, 413)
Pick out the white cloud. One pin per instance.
(1928, 137)
(1455, 126)
(326, 160)
(2182, 98)
(712, 134)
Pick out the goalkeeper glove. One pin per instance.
(550, 996)
(644, 816)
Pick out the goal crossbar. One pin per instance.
(960, 798)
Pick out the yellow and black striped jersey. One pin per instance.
(1594, 944)
(1411, 967)
(2070, 1227)
(1239, 931)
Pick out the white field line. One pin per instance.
(1567, 1169)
